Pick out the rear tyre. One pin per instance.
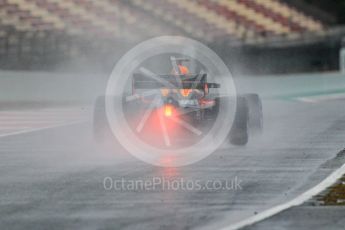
(101, 129)
(255, 122)
(239, 131)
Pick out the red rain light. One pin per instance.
(168, 110)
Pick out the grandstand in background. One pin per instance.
(49, 34)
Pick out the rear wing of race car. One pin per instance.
(195, 81)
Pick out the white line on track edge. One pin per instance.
(39, 129)
(329, 181)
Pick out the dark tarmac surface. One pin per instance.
(53, 179)
(305, 217)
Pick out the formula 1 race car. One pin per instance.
(190, 97)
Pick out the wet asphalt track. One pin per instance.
(53, 179)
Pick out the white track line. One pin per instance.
(41, 128)
(319, 98)
(329, 181)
